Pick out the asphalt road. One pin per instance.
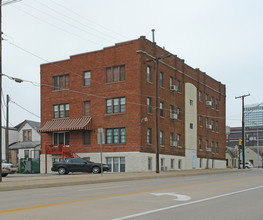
(215, 196)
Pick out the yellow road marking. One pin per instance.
(117, 195)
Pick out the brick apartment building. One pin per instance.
(115, 89)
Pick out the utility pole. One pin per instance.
(156, 60)
(243, 129)
(7, 129)
(1, 91)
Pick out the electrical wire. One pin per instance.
(73, 19)
(53, 25)
(62, 20)
(80, 16)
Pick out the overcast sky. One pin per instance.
(223, 38)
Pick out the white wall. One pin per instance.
(190, 133)
(136, 161)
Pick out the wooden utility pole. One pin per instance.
(243, 130)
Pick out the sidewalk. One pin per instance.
(33, 181)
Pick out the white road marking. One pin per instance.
(179, 196)
(187, 203)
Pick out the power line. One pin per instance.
(62, 29)
(73, 19)
(105, 28)
(63, 21)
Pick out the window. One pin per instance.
(161, 79)
(149, 136)
(207, 123)
(200, 144)
(61, 138)
(200, 120)
(26, 152)
(179, 140)
(61, 111)
(149, 105)
(200, 96)
(213, 124)
(27, 135)
(86, 78)
(171, 110)
(217, 148)
(161, 109)
(171, 81)
(172, 139)
(115, 136)
(161, 138)
(115, 105)
(86, 108)
(86, 137)
(191, 102)
(172, 163)
(179, 86)
(179, 164)
(116, 164)
(149, 163)
(213, 101)
(191, 125)
(206, 145)
(179, 111)
(213, 146)
(115, 74)
(60, 82)
(149, 74)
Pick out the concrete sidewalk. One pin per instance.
(33, 181)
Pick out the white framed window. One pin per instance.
(86, 78)
(116, 164)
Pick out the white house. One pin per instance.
(27, 144)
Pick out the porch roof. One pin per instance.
(67, 124)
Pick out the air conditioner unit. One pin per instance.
(209, 103)
(173, 116)
(209, 126)
(174, 144)
(173, 88)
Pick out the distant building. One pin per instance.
(253, 145)
(253, 115)
(115, 89)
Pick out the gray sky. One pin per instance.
(220, 37)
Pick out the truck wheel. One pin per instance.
(62, 171)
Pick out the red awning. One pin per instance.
(67, 124)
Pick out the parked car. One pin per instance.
(248, 165)
(8, 168)
(78, 165)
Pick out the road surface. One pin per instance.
(235, 195)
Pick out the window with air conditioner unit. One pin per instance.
(173, 116)
(209, 126)
(174, 144)
(173, 88)
(209, 103)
